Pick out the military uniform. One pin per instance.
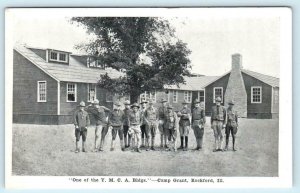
(171, 125)
(184, 126)
(135, 121)
(101, 123)
(143, 127)
(162, 111)
(81, 122)
(151, 120)
(231, 126)
(115, 121)
(198, 121)
(218, 121)
(126, 126)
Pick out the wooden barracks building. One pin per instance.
(48, 85)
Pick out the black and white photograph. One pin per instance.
(148, 97)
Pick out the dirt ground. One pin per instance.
(49, 150)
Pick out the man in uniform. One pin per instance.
(115, 123)
(99, 113)
(184, 125)
(81, 122)
(150, 117)
(127, 111)
(218, 123)
(198, 121)
(171, 125)
(162, 111)
(143, 125)
(232, 125)
(135, 121)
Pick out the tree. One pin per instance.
(145, 49)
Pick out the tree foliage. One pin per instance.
(144, 48)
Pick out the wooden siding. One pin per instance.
(209, 92)
(258, 110)
(25, 77)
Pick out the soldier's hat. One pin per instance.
(151, 102)
(197, 101)
(185, 102)
(164, 100)
(218, 99)
(127, 102)
(82, 104)
(231, 102)
(117, 103)
(144, 101)
(135, 105)
(96, 102)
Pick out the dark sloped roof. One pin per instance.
(192, 83)
(270, 80)
(74, 72)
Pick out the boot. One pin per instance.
(101, 145)
(147, 144)
(233, 143)
(112, 148)
(216, 145)
(138, 150)
(122, 145)
(166, 141)
(143, 143)
(181, 143)
(197, 141)
(126, 142)
(186, 143)
(220, 145)
(226, 146)
(129, 141)
(83, 146)
(76, 148)
(152, 143)
(161, 141)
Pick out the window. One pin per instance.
(148, 96)
(58, 56)
(166, 95)
(256, 93)
(91, 92)
(201, 96)
(188, 96)
(175, 96)
(71, 92)
(92, 62)
(109, 96)
(218, 92)
(41, 91)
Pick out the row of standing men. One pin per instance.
(139, 124)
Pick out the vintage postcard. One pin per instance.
(148, 97)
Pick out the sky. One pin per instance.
(212, 40)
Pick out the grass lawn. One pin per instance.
(49, 150)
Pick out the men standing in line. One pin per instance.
(198, 121)
(232, 125)
(143, 125)
(115, 122)
(150, 117)
(135, 121)
(218, 123)
(127, 111)
(171, 125)
(81, 122)
(162, 111)
(184, 125)
(99, 113)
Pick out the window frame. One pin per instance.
(176, 96)
(38, 91)
(191, 94)
(75, 92)
(89, 86)
(214, 93)
(203, 95)
(260, 95)
(58, 56)
(150, 96)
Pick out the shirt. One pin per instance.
(99, 114)
(81, 119)
(143, 116)
(162, 111)
(198, 114)
(150, 114)
(218, 113)
(135, 118)
(126, 116)
(171, 121)
(232, 116)
(116, 118)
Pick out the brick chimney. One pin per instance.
(236, 88)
